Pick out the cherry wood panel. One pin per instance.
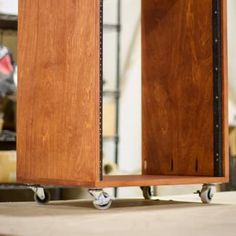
(155, 180)
(135, 180)
(58, 92)
(177, 87)
(225, 89)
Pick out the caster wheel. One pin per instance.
(42, 197)
(102, 199)
(207, 193)
(147, 192)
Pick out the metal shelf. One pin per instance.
(8, 22)
(111, 93)
(7, 145)
(111, 138)
(112, 27)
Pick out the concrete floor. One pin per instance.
(183, 216)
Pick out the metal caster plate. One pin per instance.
(102, 199)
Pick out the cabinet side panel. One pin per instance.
(225, 89)
(177, 87)
(58, 93)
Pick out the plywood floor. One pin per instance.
(183, 216)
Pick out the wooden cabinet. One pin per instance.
(184, 93)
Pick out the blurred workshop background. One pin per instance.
(122, 101)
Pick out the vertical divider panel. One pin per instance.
(59, 129)
(224, 82)
(181, 80)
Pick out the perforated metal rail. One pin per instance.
(101, 86)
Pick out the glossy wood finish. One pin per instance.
(225, 89)
(58, 92)
(177, 87)
(155, 180)
(135, 180)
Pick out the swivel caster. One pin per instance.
(41, 195)
(207, 193)
(102, 199)
(147, 192)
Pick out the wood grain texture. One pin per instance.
(177, 87)
(156, 180)
(136, 180)
(225, 89)
(58, 93)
